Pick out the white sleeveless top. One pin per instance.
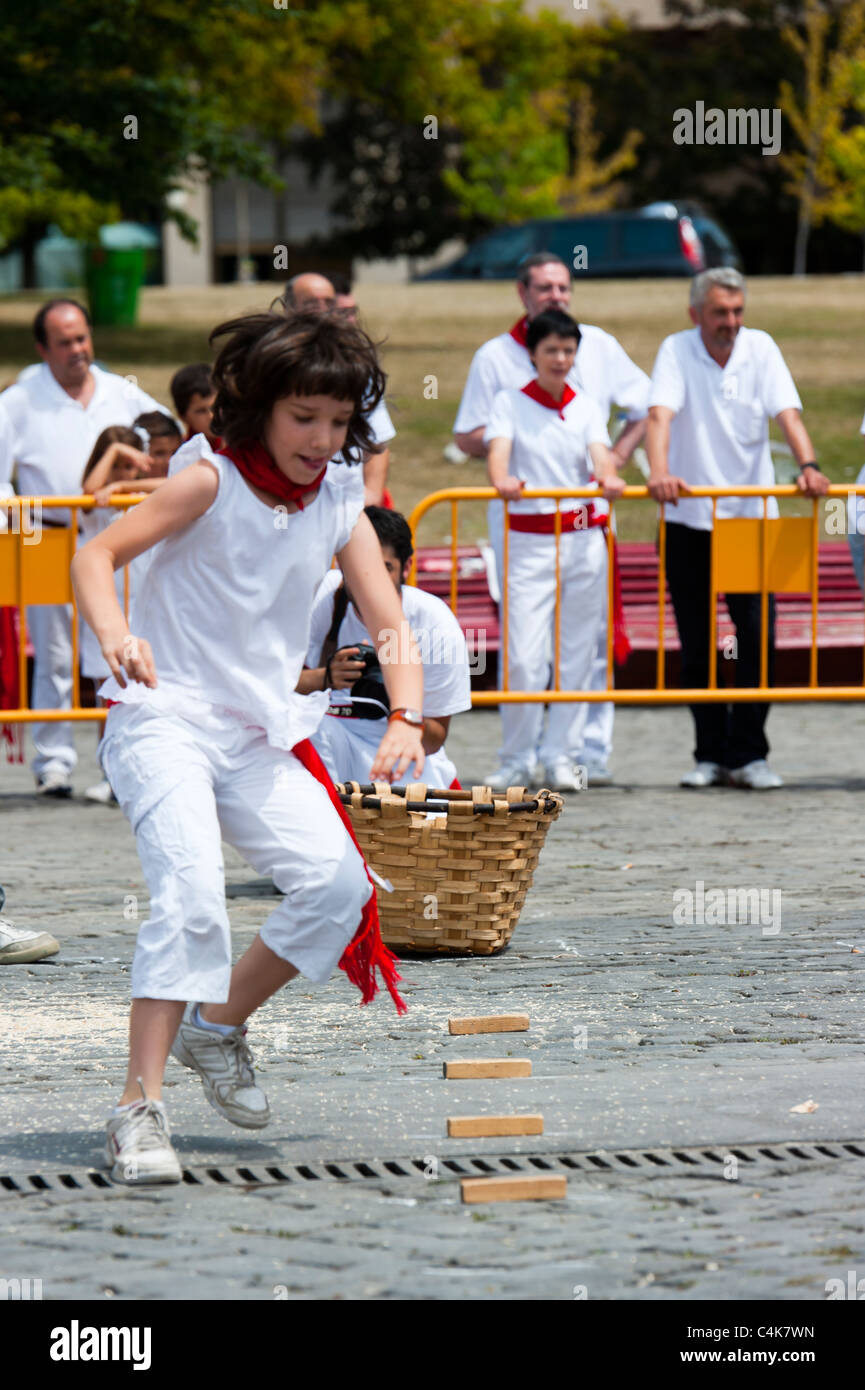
(226, 602)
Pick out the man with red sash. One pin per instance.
(547, 435)
(602, 369)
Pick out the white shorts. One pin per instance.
(184, 788)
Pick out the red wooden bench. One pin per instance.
(840, 623)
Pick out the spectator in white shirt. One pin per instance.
(856, 526)
(49, 423)
(311, 293)
(548, 435)
(350, 733)
(603, 370)
(714, 389)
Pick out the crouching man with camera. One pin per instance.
(342, 659)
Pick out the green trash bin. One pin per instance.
(113, 280)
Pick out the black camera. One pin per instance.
(366, 653)
(369, 698)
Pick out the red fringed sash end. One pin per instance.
(13, 737)
(13, 734)
(621, 641)
(366, 952)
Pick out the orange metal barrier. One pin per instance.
(762, 555)
(35, 555)
(749, 555)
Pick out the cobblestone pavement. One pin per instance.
(647, 1030)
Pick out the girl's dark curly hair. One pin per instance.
(272, 355)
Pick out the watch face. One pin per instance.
(413, 716)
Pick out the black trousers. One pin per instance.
(730, 735)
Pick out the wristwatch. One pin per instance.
(413, 717)
(810, 464)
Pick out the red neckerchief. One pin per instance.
(537, 393)
(518, 332)
(258, 468)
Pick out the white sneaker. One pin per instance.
(510, 775)
(54, 784)
(224, 1063)
(102, 793)
(598, 774)
(18, 945)
(564, 776)
(757, 776)
(703, 775)
(139, 1145)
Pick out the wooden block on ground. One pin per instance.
(486, 1067)
(513, 1189)
(489, 1126)
(490, 1023)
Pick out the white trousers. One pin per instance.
(348, 746)
(595, 730)
(531, 637)
(50, 627)
(185, 787)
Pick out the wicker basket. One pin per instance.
(461, 862)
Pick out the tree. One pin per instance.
(845, 159)
(816, 117)
(105, 104)
(592, 185)
(453, 115)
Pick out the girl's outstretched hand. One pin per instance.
(130, 656)
(401, 745)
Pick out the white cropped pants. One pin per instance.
(187, 786)
(531, 609)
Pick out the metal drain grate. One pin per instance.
(697, 1161)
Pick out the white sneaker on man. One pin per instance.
(597, 774)
(102, 793)
(756, 776)
(139, 1144)
(510, 775)
(54, 784)
(703, 775)
(18, 946)
(224, 1063)
(564, 776)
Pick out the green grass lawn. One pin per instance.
(431, 331)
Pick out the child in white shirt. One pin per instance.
(207, 739)
(549, 435)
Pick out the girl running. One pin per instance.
(206, 738)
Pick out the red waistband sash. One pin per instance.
(544, 524)
(12, 734)
(366, 952)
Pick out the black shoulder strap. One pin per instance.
(340, 608)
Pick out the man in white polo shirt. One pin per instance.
(311, 293)
(603, 370)
(49, 422)
(714, 389)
